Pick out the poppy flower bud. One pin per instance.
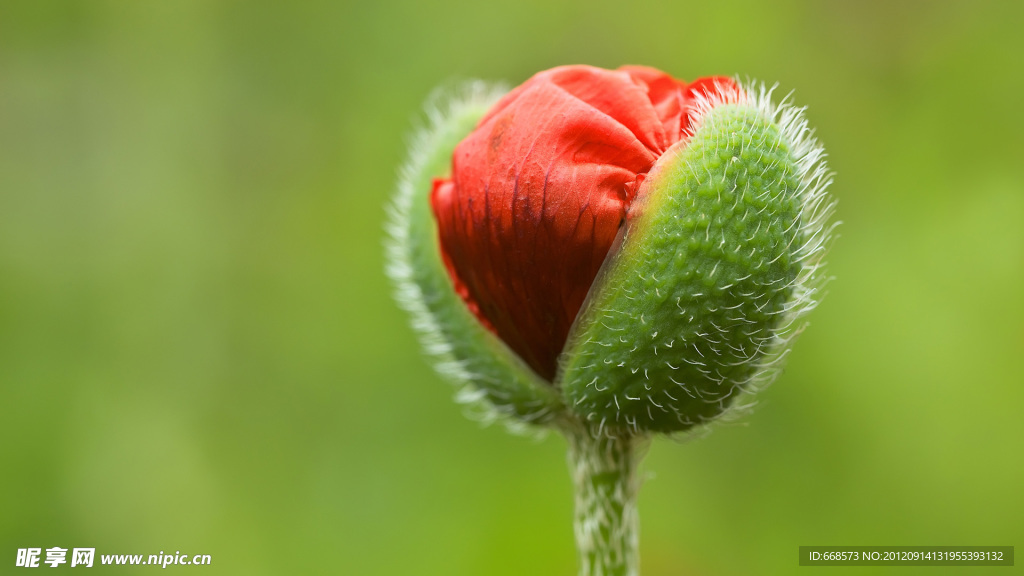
(619, 248)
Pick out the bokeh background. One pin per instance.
(198, 350)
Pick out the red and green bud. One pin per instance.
(614, 247)
(539, 190)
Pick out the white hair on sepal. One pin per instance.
(441, 107)
(816, 234)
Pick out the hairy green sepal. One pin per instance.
(494, 379)
(693, 307)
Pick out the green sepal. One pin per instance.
(694, 306)
(494, 378)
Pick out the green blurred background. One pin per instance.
(198, 350)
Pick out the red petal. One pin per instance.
(538, 192)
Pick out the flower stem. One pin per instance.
(604, 473)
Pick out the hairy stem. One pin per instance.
(604, 473)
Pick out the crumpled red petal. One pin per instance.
(539, 189)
